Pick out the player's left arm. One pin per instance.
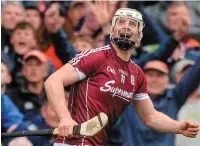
(157, 120)
(161, 122)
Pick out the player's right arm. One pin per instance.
(80, 67)
(54, 87)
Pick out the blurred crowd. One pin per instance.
(39, 37)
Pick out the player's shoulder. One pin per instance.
(96, 52)
(137, 69)
(135, 66)
(101, 50)
(139, 74)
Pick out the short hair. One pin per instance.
(15, 3)
(24, 25)
(177, 4)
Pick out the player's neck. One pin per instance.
(123, 54)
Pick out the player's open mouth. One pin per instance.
(125, 35)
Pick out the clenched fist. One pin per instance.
(66, 127)
(189, 129)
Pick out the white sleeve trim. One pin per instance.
(80, 74)
(141, 96)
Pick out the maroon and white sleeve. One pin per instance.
(86, 63)
(141, 92)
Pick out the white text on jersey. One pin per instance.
(109, 69)
(117, 91)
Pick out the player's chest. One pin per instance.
(116, 82)
(122, 76)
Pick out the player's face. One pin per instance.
(157, 82)
(126, 28)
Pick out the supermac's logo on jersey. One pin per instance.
(109, 69)
(116, 91)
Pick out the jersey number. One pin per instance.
(123, 78)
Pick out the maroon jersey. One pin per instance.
(107, 84)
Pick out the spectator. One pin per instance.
(190, 109)
(180, 68)
(177, 25)
(165, 100)
(195, 12)
(45, 119)
(12, 119)
(63, 48)
(103, 12)
(35, 18)
(6, 69)
(158, 13)
(100, 38)
(77, 10)
(33, 15)
(12, 14)
(90, 23)
(31, 96)
(9, 124)
(20, 141)
(49, 115)
(178, 15)
(81, 43)
(23, 39)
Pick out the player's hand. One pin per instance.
(66, 127)
(189, 129)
